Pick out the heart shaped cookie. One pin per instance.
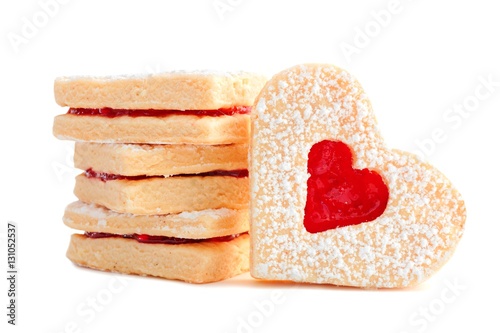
(330, 203)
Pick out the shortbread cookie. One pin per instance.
(169, 108)
(134, 160)
(160, 195)
(207, 223)
(330, 203)
(200, 262)
(181, 90)
(174, 129)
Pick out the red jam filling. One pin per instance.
(337, 194)
(107, 176)
(112, 113)
(160, 239)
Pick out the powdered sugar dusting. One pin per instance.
(213, 213)
(99, 212)
(187, 74)
(197, 224)
(416, 234)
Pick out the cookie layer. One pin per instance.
(199, 90)
(134, 160)
(161, 195)
(208, 223)
(196, 263)
(175, 129)
(415, 235)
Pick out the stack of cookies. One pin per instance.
(165, 186)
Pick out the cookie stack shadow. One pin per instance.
(164, 189)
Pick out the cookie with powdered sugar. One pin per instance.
(330, 202)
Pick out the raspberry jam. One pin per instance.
(337, 194)
(112, 113)
(161, 239)
(107, 176)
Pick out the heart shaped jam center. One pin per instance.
(337, 194)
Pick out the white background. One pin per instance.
(428, 57)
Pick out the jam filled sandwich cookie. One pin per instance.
(330, 203)
(175, 107)
(165, 186)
